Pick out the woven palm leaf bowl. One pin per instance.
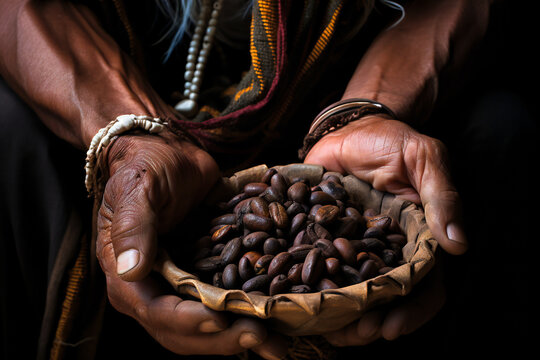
(312, 313)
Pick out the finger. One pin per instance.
(442, 208)
(440, 199)
(182, 317)
(416, 310)
(243, 334)
(273, 348)
(364, 331)
(133, 224)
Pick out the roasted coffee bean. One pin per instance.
(224, 232)
(279, 183)
(346, 251)
(271, 195)
(252, 256)
(231, 277)
(355, 214)
(257, 283)
(280, 264)
(235, 200)
(242, 208)
(272, 246)
(280, 235)
(313, 211)
(295, 209)
(279, 285)
(369, 269)
(298, 192)
(322, 198)
(232, 251)
(268, 175)
(358, 245)
(389, 257)
(259, 206)
(373, 244)
(299, 252)
(301, 238)
(375, 232)
(345, 227)
(325, 284)
(398, 239)
(209, 264)
(352, 275)
(245, 268)
(316, 231)
(295, 273)
(255, 188)
(327, 214)
(255, 239)
(332, 176)
(381, 221)
(361, 257)
(227, 219)
(378, 261)
(217, 280)
(300, 289)
(217, 249)
(279, 215)
(328, 249)
(332, 265)
(258, 223)
(314, 267)
(334, 189)
(298, 222)
(261, 266)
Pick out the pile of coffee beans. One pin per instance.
(284, 235)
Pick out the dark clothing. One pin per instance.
(489, 126)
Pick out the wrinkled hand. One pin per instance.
(154, 181)
(395, 158)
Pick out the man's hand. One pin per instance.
(395, 158)
(154, 182)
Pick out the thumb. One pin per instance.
(133, 232)
(442, 206)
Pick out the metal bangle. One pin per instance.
(347, 105)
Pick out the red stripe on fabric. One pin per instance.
(220, 121)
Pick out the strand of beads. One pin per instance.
(198, 56)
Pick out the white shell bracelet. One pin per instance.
(102, 139)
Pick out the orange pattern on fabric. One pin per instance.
(268, 17)
(323, 41)
(76, 276)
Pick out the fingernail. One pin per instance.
(209, 326)
(127, 261)
(248, 340)
(454, 233)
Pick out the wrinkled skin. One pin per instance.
(395, 158)
(154, 181)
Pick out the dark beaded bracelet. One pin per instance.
(338, 115)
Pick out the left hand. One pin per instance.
(395, 158)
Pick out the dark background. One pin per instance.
(490, 126)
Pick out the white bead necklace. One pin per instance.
(198, 56)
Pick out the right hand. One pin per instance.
(154, 181)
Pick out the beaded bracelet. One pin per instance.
(103, 138)
(338, 115)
